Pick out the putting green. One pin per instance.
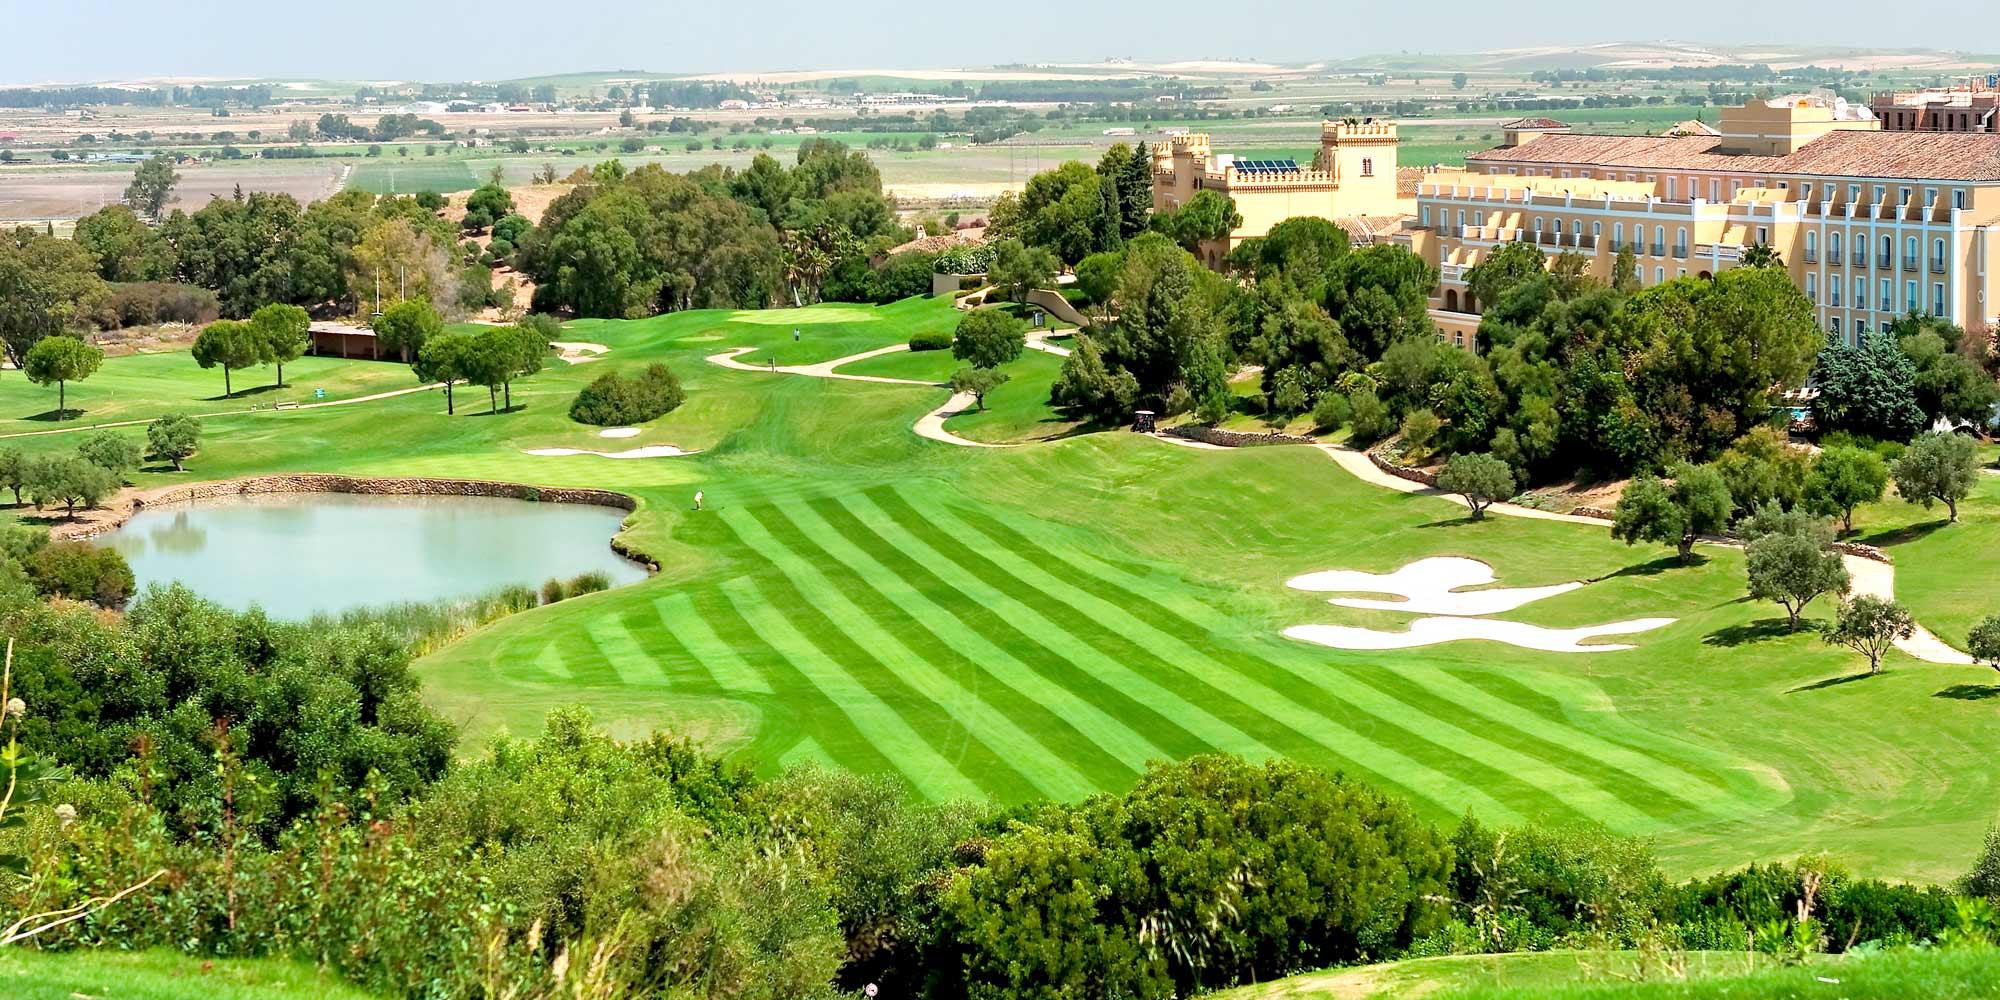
(829, 313)
(1043, 620)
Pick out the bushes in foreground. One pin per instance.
(616, 399)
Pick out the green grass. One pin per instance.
(108, 975)
(142, 386)
(409, 176)
(1045, 619)
(1600, 975)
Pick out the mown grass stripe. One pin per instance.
(1211, 732)
(628, 659)
(550, 662)
(1675, 783)
(808, 708)
(1697, 761)
(1661, 764)
(721, 660)
(1128, 729)
(1172, 637)
(928, 748)
(934, 636)
(1039, 768)
(587, 665)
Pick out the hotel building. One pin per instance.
(1352, 181)
(1870, 223)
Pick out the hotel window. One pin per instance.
(1618, 233)
(1888, 251)
(1930, 197)
(1910, 301)
(1880, 194)
(1833, 247)
(1367, 166)
(1958, 198)
(1670, 189)
(1426, 213)
(1812, 247)
(1833, 293)
(1812, 288)
(1715, 189)
(1937, 299)
(1860, 330)
(1538, 224)
(1596, 230)
(1659, 241)
(1853, 193)
(1805, 192)
(1937, 254)
(1461, 218)
(1833, 325)
(1659, 276)
(1681, 242)
(1902, 196)
(1764, 235)
(1910, 252)
(1479, 219)
(1861, 293)
(1888, 296)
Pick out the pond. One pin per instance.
(296, 554)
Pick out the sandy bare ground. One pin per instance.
(71, 192)
(1427, 587)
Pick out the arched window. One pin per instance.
(1832, 243)
(1538, 223)
(1559, 227)
(1451, 300)
(1618, 233)
(1937, 252)
(1812, 245)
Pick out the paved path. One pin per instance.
(1876, 579)
(930, 425)
(1038, 340)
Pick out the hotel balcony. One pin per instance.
(1909, 263)
(1834, 257)
(1937, 265)
(1886, 261)
(1812, 256)
(1659, 249)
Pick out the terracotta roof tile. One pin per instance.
(1943, 156)
(1535, 123)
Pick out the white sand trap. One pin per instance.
(618, 432)
(1428, 587)
(650, 451)
(577, 352)
(1431, 631)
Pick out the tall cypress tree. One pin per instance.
(1135, 189)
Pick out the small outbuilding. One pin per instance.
(343, 340)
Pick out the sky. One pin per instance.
(451, 40)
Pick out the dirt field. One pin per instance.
(42, 193)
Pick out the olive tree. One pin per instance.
(1695, 503)
(977, 382)
(1937, 467)
(67, 480)
(173, 437)
(1792, 565)
(1983, 642)
(1869, 625)
(111, 451)
(61, 360)
(1480, 479)
(1845, 477)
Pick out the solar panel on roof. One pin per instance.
(1267, 166)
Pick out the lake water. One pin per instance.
(300, 553)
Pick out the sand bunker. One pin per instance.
(1430, 631)
(650, 451)
(1427, 587)
(577, 352)
(1432, 587)
(618, 432)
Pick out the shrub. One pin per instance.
(1331, 412)
(143, 303)
(111, 451)
(1372, 420)
(931, 340)
(1420, 430)
(81, 572)
(616, 399)
(554, 590)
(588, 582)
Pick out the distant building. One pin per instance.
(1121, 131)
(1870, 224)
(1352, 181)
(1970, 108)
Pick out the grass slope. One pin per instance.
(1043, 620)
(108, 975)
(1598, 975)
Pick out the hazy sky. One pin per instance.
(73, 40)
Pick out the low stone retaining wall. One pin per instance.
(1403, 472)
(1861, 551)
(318, 482)
(1232, 439)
